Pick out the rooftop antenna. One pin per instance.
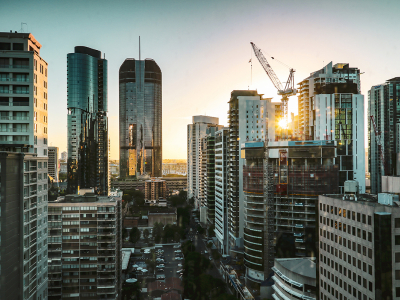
(22, 26)
(139, 47)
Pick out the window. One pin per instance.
(397, 222)
(397, 257)
(364, 219)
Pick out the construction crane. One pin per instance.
(379, 144)
(286, 92)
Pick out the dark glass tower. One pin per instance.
(87, 121)
(140, 119)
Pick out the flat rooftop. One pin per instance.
(302, 266)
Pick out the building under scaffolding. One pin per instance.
(281, 184)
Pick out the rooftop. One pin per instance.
(84, 200)
(302, 266)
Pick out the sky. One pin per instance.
(203, 49)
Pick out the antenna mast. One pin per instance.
(139, 47)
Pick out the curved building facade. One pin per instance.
(87, 121)
(140, 118)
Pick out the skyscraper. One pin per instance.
(332, 108)
(196, 132)
(23, 176)
(87, 121)
(140, 118)
(384, 107)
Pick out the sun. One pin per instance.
(283, 123)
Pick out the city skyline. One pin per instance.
(188, 41)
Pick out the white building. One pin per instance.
(221, 189)
(195, 132)
(332, 108)
(23, 206)
(249, 116)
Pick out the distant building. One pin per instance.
(64, 155)
(359, 246)
(295, 278)
(163, 216)
(87, 105)
(53, 163)
(23, 221)
(85, 247)
(179, 168)
(140, 118)
(386, 114)
(155, 189)
(63, 167)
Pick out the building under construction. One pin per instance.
(281, 184)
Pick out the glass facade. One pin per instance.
(87, 121)
(140, 118)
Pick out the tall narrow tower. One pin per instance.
(87, 121)
(140, 118)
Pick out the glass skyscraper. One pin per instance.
(87, 121)
(140, 119)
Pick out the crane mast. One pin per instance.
(289, 89)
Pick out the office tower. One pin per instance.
(221, 189)
(85, 247)
(359, 246)
(87, 121)
(195, 133)
(23, 226)
(295, 278)
(203, 176)
(140, 118)
(332, 108)
(155, 189)
(248, 121)
(53, 163)
(23, 94)
(385, 112)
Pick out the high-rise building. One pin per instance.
(195, 133)
(332, 108)
(140, 118)
(85, 247)
(359, 246)
(23, 175)
(386, 114)
(23, 94)
(53, 163)
(221, 189)
(64, 155)
(23, 226)
(251, 118)
(87, 121)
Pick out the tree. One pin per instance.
(134, 235)
(146, 233)
(124, 233)
(139, 202)
(200, 229)
(158, 232)
(211, 232)
(176, 201)
(183, 194)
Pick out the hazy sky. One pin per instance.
(203, 49)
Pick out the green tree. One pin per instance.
(158, 232)
(146, 233)
(124, 233)
(211, 232)
(177, 201)
(200, 229)
(134, 235)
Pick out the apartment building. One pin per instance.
(23, 226)
(23, 95)
(221, 189)
(251, 118)
(85, 247)
(332, 108)
(386, 115)
(154, 189)
(359, 246)
(195, 133)
(53, 163)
